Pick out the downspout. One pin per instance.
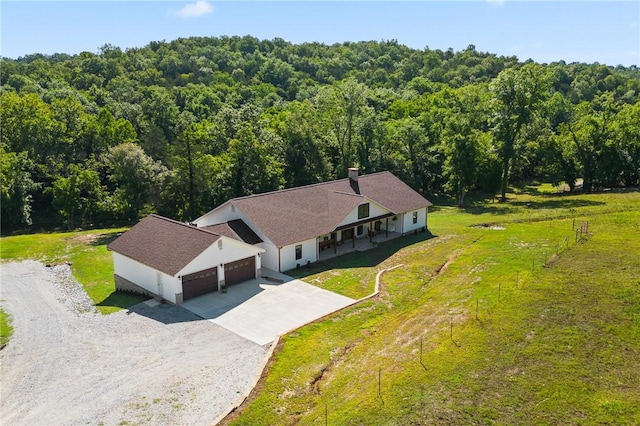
(426, 216)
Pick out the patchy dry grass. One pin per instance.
(523, 325)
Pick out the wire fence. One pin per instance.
(579, 234)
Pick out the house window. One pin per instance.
(360, 230)
(299, 252)
(415, 217)
(363, 211)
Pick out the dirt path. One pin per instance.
(148, 365)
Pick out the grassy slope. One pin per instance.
(91, 263)
(559, 346)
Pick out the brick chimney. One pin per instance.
(353, 174)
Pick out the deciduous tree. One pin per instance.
(517, 96)
(136, 176)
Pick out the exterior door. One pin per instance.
(239, 271)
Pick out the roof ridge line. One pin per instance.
(293, 188)
(168, 219)
(304, 186)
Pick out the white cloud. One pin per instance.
(195, 10)
(495, 2)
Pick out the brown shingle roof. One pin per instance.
(163, 244)
(236, 229)
(298, 214)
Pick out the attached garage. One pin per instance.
(240, 271)
(177, 262)
(199, 283)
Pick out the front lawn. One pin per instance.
(504, 317)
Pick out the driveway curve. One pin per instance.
(148, 365)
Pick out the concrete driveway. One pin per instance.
(262, 309)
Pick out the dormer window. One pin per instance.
(363, 211)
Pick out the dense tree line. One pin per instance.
(180, 127)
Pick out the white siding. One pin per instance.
(288, 254)
(226, 213)
(409, 226)
(374, 211)
(395, 225)
(146, 277)
(222, 214)
(229, 251)
(167, 286)
(270, 256)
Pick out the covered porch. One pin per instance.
(359, 236)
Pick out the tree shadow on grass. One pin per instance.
(362, 259)
(542, 203)
(105, 239)
(555, 203)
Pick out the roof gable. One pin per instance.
(375, 212)
(163, 244)
(297, 214)
(235, 229)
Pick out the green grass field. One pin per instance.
(91, 262)
(501, 318)
(498, 315)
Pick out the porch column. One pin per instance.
(354, 236)
(386, 229)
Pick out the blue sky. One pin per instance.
(607, 32)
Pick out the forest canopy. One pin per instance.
(180, 127)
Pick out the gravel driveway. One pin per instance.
(67, 365)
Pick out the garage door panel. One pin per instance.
(199, 283)
(239, 271)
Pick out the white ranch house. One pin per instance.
(278, 230)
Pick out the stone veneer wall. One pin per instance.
(123, 284)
